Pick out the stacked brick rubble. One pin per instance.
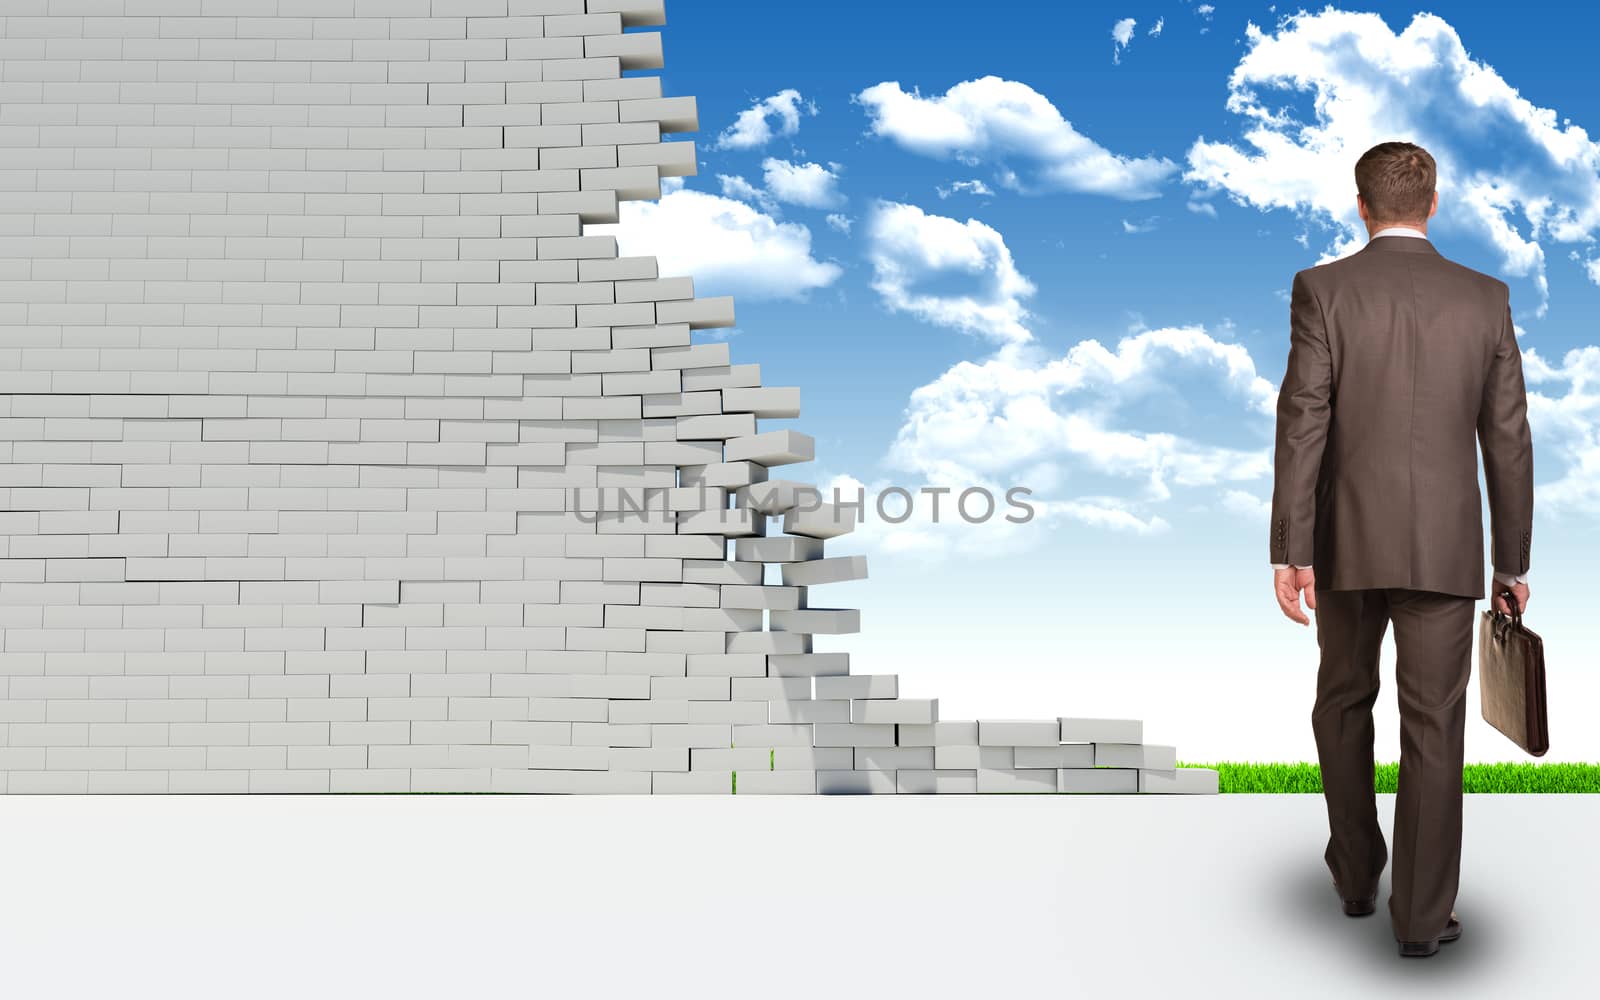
(336, 456)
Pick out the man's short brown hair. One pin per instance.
(1396, 180)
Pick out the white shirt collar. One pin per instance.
(1399, 231)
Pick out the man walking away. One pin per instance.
(1402, 363)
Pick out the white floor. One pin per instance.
(988, 897)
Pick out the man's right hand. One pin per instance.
(1520, 590)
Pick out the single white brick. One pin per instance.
(1018, 732)
(1099, 780)
(1064, 755)
(855, 782)
(771, 448)
(911, 781)
(1017, 780)
(1182, 781)
(908, 710)
(1101, 730)
(1155, 757)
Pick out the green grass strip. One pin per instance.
(1524, 776)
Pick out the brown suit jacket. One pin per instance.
(1398, 359)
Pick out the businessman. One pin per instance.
(1401, 364)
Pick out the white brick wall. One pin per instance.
(325, 429)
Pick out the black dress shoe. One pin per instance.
(1422, 949)
(1357, 907)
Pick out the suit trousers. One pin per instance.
(1433, 646)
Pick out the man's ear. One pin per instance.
(1435, 207)
(1361, 207)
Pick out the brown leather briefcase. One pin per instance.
(1511, 678)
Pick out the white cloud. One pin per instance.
(1205, 10)
(735, 186)
(930, 521)
(1246, 504)
(1593, 267)
(1049, 423)
(1102, 512)
(1121, 36)
(911, 250)
(1508, 172)
(1155, 31)
(809, 184)
(932, 526)
(840, 222)
(976, 187)
(1566, 428)
(1200, 207)
(753, 128)
(729, 247)
(1145, 225)
(1102, 435)
(994, 118)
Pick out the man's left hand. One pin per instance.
(1288, 583)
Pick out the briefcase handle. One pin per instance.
(1512, 620)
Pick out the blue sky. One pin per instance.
(1049, 245)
